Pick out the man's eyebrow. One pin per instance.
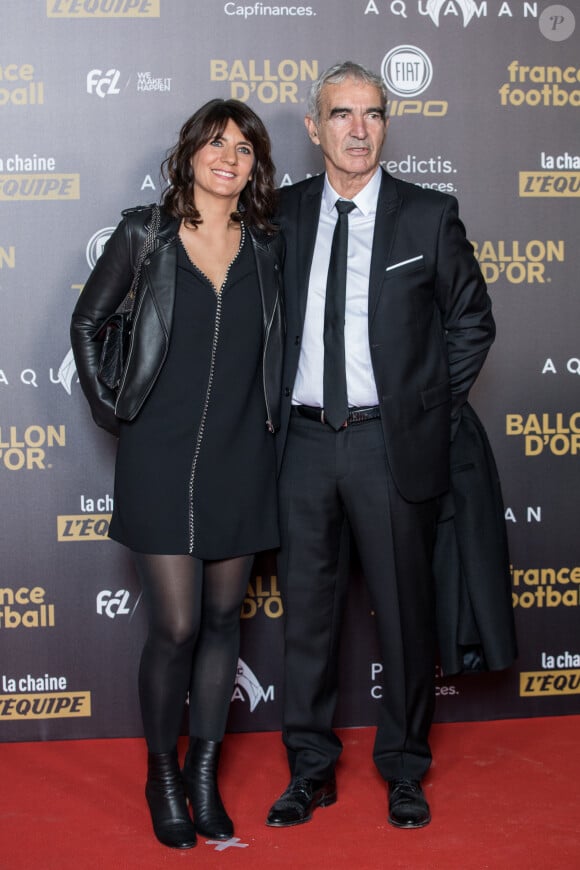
(340, 111)
(346, 110)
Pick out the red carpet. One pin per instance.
(502, 795)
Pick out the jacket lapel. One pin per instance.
(308, 214)
(387, 216)
(162, 266)
(266, 264)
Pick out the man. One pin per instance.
(369, 457)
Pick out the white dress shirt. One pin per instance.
(360, 382)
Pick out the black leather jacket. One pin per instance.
(109, 283)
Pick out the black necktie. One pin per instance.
(335, 396)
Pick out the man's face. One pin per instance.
(351, 131)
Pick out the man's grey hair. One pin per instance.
(335, 75)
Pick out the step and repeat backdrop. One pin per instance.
(485, 104)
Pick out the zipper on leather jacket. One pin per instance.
(134, 318)
(269, 422)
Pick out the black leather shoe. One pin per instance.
(407, 805)
(200, 776)
(166, 798)
(301, 797)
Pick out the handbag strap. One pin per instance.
(146, 249)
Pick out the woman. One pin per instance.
(195, 473)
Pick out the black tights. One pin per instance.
(192, 646)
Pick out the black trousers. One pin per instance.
(333, 483)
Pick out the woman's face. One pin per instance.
(224, 165)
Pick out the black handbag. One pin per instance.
(115, 332)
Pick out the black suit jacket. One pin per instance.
(430, 321)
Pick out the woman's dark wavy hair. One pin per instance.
(257, 201)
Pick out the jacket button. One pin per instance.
(297, 340)
(287, 391)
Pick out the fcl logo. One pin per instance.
(467, 7)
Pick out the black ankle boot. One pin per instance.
(200, 777)
(166, 798)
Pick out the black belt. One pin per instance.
(355, 415)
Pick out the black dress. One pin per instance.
(195, 471)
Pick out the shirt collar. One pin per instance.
(365, 200)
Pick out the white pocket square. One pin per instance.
(404, 263)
